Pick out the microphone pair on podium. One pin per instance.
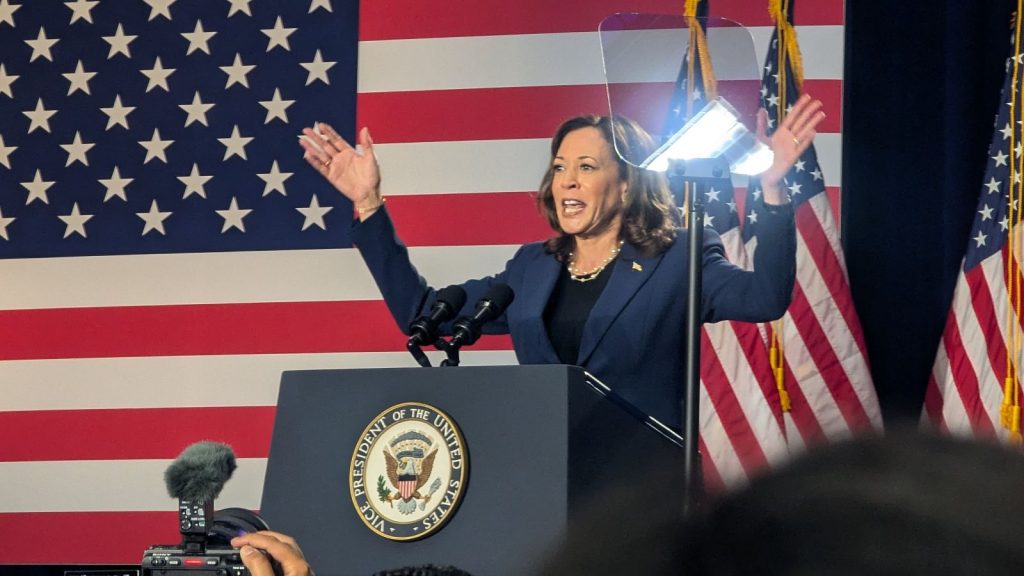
(196, 478)
(465, 331)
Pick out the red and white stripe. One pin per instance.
(110, 365)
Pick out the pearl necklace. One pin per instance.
(578, 276)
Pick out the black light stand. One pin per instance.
(682, 173)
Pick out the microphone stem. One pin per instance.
(417, 353)
(452, 351)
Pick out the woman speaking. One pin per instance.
(607, 291)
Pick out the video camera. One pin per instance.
(195, 479)
(213, 554)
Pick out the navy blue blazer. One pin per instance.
(633, 340)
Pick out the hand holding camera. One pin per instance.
(282, 549)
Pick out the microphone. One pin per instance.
(449, 301)
(466, 330)
(195, 478)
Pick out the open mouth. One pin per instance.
(572, 207)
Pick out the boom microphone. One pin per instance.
(195, 478)
(424, 329)
(200, 471)
(467, 329)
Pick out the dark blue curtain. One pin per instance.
(922, 86)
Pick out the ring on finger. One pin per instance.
(796, 141)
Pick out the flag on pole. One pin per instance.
(974, 387)
(821, 358)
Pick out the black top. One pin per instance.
(568, 309)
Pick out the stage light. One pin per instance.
(713, 132)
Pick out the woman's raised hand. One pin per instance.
(789, 141)
(354, 173)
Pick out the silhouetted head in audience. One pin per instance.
(907, 503)
(425, 570)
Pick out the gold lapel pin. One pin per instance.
(638, 267)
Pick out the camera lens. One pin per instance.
(231, 522)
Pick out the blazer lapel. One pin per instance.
(631, 271)
(540, 277)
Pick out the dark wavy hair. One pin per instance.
(650, 219)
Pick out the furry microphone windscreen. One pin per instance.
(200, 472)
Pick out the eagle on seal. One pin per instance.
(409, 474)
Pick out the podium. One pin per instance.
(540, 443)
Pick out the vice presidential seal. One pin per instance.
(408, 471)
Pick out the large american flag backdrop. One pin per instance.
(967, 392)
(167, 253)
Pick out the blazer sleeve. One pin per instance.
(405, 291)
(758, 295)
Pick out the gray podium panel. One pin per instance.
(539, 440)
